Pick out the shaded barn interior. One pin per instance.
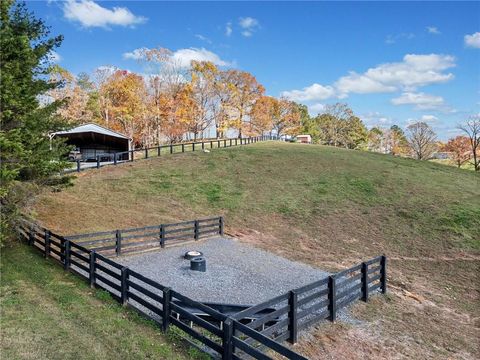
(92, 140)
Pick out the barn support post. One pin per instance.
(166, 299)
(218, 143)
(364, 282)
(383, 272)
(203, 145)
(225, 143)
(98, 161)
(332, 297)
(292, 317)
(114, 158)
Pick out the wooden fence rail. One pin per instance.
(250, 333)
(116, 158)
(124, 241)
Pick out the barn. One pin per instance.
(92, 141)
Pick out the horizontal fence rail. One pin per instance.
(254, 332)
(116, 158)
(132, 240)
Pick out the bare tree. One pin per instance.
(472, 129)
(421, 139)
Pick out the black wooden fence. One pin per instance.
(228, 337)
(149, 237)
(145, 153)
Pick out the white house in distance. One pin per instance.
(93, 140)
(304, 139)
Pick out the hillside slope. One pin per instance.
(324, 206)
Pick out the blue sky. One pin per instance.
(392, 62)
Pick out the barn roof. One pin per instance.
(91, 128)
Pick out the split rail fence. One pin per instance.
(250, 333)
(156, 151)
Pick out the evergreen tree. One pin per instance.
(25, 120)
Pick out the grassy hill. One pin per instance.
(324, 206)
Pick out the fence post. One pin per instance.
(162, 236)
(66, 260)
(364, 281)
(118, 243)
(124, 286)
(221, 225)
(78, 165)
(227, 342)
(203, 145)
(92, 268)
(146, 153)
(159, 150)
(332, 297)
(236, 141)
(183, 147)
(114, 158)
(383, 274)
(292, 316)
(98, 161)
(167, 297)
(31, 236)
(196, 230)
(47, 243)
(133, 155)
(218, 144)
(225, 143)
(230, 142)
(211, 144)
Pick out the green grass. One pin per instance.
(47, 313)
(323, 206)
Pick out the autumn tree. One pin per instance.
(472, 129)
(245, 91)
(263, 114)
(73, 95)
(287, 119)
(126, 94)
(421, 139)
(396, 142)
(376, 140)
(460, 149)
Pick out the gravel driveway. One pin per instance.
(236, 273)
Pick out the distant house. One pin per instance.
(304, 139)
(442, 155)
(92, 140)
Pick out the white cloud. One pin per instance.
(314, 92)
(412, 72)
(421, 101)
(89, 14)
(249, 25)
(433, 30)
(392, 39)
(54, 57)
(182, 57)
(472, 40)
(315, 109)
(203, 38)
(137, 54)
(376, 119)
(228, 29)
(429, 118)
(360, 84)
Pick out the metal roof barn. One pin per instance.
(93, 140)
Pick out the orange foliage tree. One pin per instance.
(460, 150)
